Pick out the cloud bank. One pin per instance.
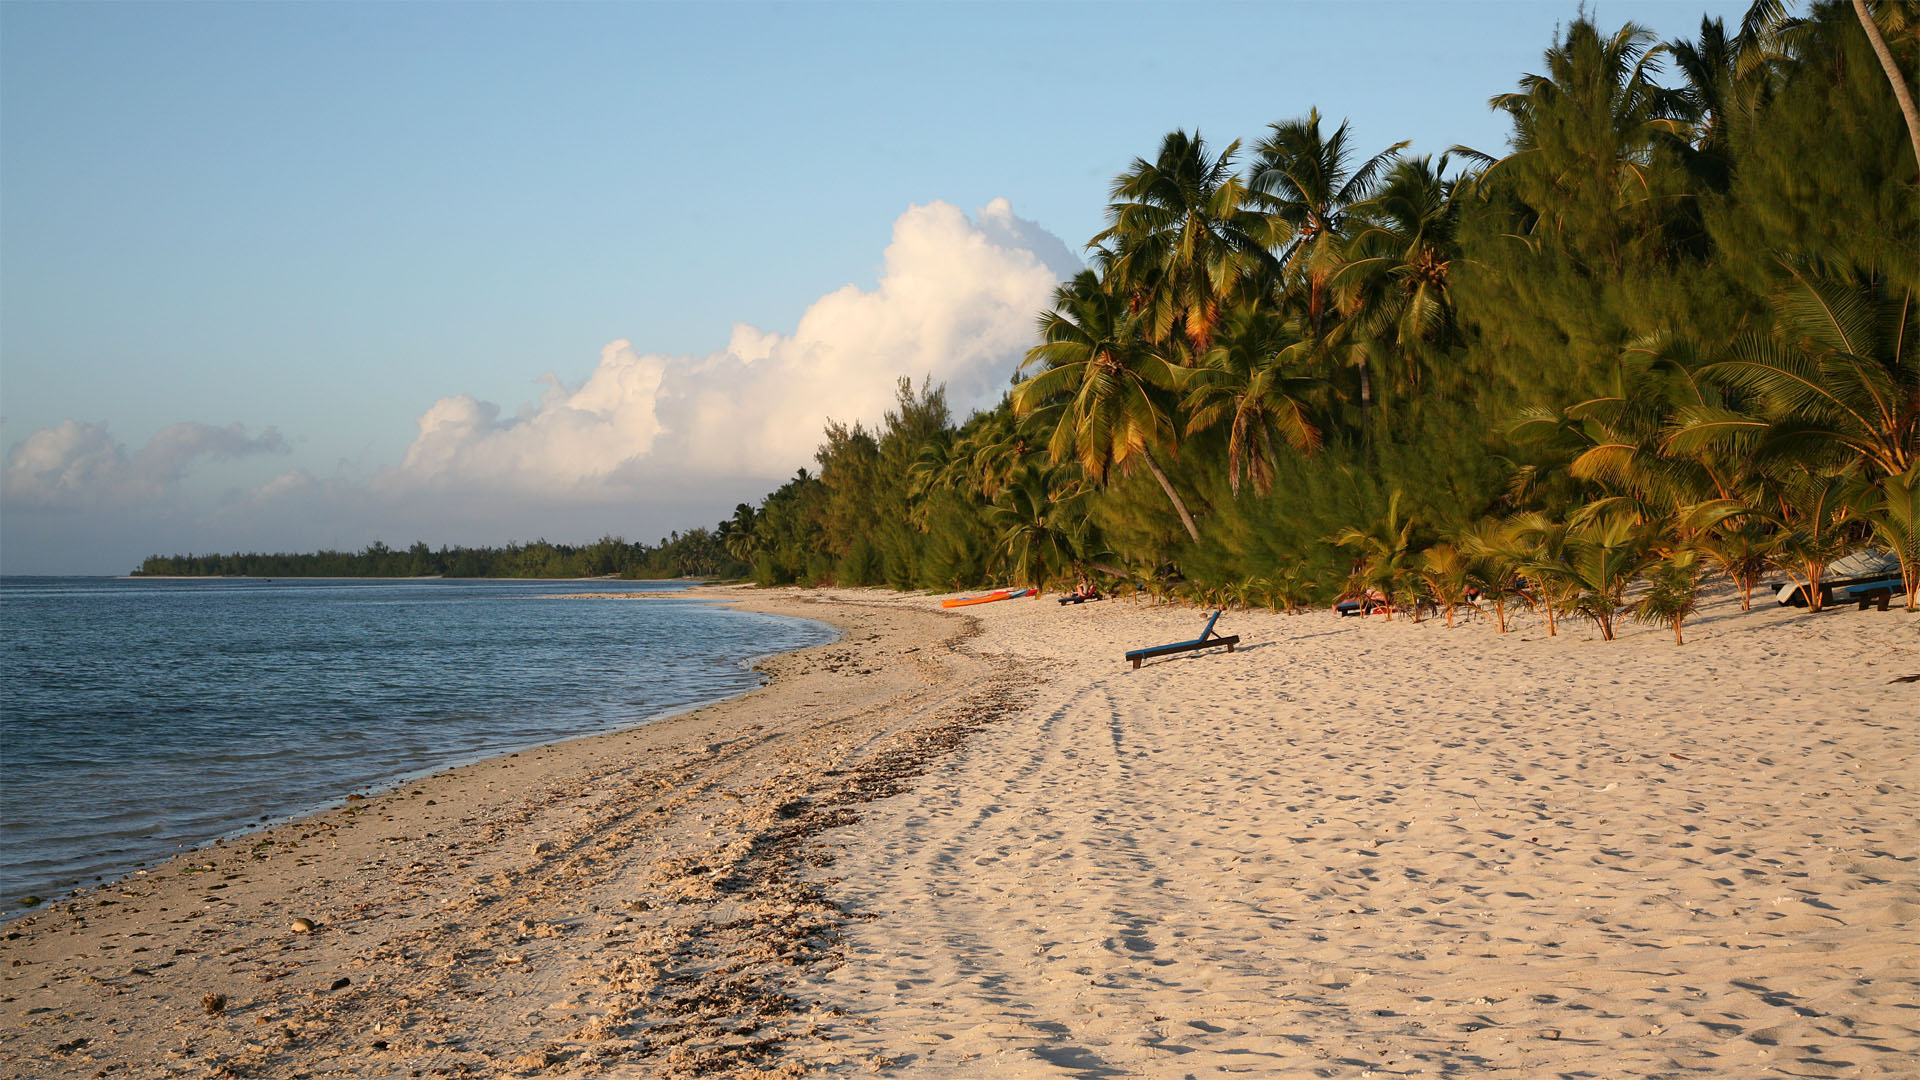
(956, 302)
(76, 465)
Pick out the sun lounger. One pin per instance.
(1081, 598)
(1206, 640)
(1876, 592)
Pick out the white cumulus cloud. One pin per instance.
(956, 302)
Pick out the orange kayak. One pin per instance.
(1003, 594)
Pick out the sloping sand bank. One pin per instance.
(979, 845)
(1354, 848)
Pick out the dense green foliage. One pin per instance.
(1670, 331)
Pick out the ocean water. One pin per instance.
(140, 717)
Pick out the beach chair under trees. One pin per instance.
(1206, 640)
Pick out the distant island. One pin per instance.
(700, 553)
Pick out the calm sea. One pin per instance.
(140, 717)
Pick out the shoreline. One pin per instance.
(56, 875)
(978, 845)
(680, 833)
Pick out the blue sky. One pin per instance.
(283, 276)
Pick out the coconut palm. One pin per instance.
(1102, 389)
(1394, 279)
(1040, 525)
(1243, 381)
(738, 535)
(1306, 183)
(1899, 17)
(1179, 239)
(1819, 519)
(1499, 552)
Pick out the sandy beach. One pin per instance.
(977, 844)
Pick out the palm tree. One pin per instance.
(1395, 274)
(1179, 239)
(1818, 515)
(1242, 381)
(1536, 546)
(1450, 577)
(738, 533)
(1101, 388)
(1306, 183)
(1742, 549)
(1898, 15)
(1041, 527)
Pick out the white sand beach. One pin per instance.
(1360, 848)
(978, 844)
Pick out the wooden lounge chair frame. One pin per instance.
(1206, 640)
(1873, 598)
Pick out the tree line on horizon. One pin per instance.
(1669, 333)
(698, 553)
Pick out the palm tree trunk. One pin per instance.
(1366, 400)
(1173, 496)
(1899, 81)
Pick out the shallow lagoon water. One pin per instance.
(140, 717)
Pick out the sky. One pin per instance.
(291, 276)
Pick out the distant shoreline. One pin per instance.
(690, 581)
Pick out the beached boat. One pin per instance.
(1002, 594)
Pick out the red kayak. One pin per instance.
(1003, 594)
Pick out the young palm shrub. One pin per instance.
(1892, 508)
(1262, 588)
(1289, 587)
(1673, 591)
(1605, 555)
(1499, 551)
(1384, 552)
(1821, 514)
(1410, 586)
(1240, 593)
(1742, 549)
(1448, 574)
(1539, 549)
